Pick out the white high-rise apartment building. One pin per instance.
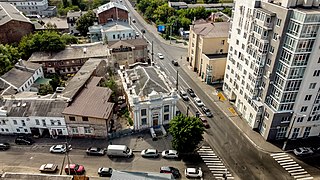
(273, 67)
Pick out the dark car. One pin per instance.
(175, 62)
(191, 92)
(96, 151)
(143, 31)
(24, 140)
(4, 146)
(206, 125)
(170, 170)
(206, 111)
(105, 172)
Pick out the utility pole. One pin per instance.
(177, 84)
(67, 154)
(170, 33)
(188, 110)
(152, 52)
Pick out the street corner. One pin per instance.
(221, 96)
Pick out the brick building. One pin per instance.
(112, 11)
(13, 24)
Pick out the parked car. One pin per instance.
(50, 168)
(160, 56)
(143, 31)
(198, 102)
(4, 146)
(170, 154)
(105, 172)
(184, 95)
(206, 125)
(175, 62)
(150, 153)
(24, 140)
(206, 111)
(74, 169)
(58, 149)
(191, 92)
(303, 151)
(193, 172)
(171, 170)
(95, 151)
(119, 150)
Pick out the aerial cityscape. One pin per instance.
(156, 89)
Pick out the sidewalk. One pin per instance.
(224, 105)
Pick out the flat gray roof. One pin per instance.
(9, 12)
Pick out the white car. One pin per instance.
(198, 102)
(303, 151)
(150, 153)
(160, 56)
(170, 154)
(59, 148)
(48, 168)
(193, 172)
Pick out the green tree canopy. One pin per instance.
(85, 21)
(186, 133)
(9, 55)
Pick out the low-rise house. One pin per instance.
(128, 52)
(70, 60)
(150, 98)
(89, 111)
(34, 7)
(13, 24)
(20, 78)
(33, 116)
(208, 38)
(112, 11)
(58, 24)
(72, 17)
(111, 31)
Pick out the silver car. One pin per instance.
(150, 153)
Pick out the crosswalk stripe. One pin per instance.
(296, 170)
(275, 154)
(205, 147)
(289, 160)
(291, 165)
(212, 161)
(299, 173)
(212, 164)
(306, 178)
(208, 156)
(286, 163)
(286, 155)
(301, 176)
(282, 158)
(290, 168)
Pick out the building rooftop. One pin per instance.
(146, 79)
(212, 30)
(16, 77)
(92, 101)
(139, 175)
(25, 176)
(111, 5)
(22, 64)
(81, 51)
(75, 13)
(81, 78)
(9, 12)
(117, 27)
(132, 42)
(42, 108)
(61, 23)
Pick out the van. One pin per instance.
(119, 150)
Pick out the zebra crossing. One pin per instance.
(291, 166)
(214, 163)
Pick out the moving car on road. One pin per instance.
(303, 151)
(24, 140)
(58, 149)
(49, 168)
(191, 92)
(184, 95)
(150, 153)
(74, 169)
(4, 146)
(95, 151)
(170, 154)
(160, 56)
(193, 172)
(206, 111)
(105, 172)
(198, 102)
(171, 170)
(175, 62)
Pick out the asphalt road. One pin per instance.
(241, 157)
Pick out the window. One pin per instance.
(275, 36)
(15, 122)
(312, 85)
(237, 42)
(306, 132)
(26, 130)
(114, 36)
(143, 121)
(222, 42)
(52, 122)
(18, 130)
(300, 119)
(75, 130)
(37, 122)
(166, 117)
(304, 108)
(278, 23)
(271, 49)
(85, 119)
(282, 131)
(308, 97)
(316, 73)
(71, 118)
(295, 133)
(59, 122)
(87, 130)
(285, 119)
(166, 108)
(143, 112)
(23, 123)
(44, 122)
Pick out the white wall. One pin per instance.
(123, 34)
(27, 85)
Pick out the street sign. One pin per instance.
(161, 28)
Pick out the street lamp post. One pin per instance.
(177, 84)
(290, 129)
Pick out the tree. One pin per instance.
(69, 39)
(112, 84)
(9, 55)
(186, 133)
(85, 21)
(45, 89)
